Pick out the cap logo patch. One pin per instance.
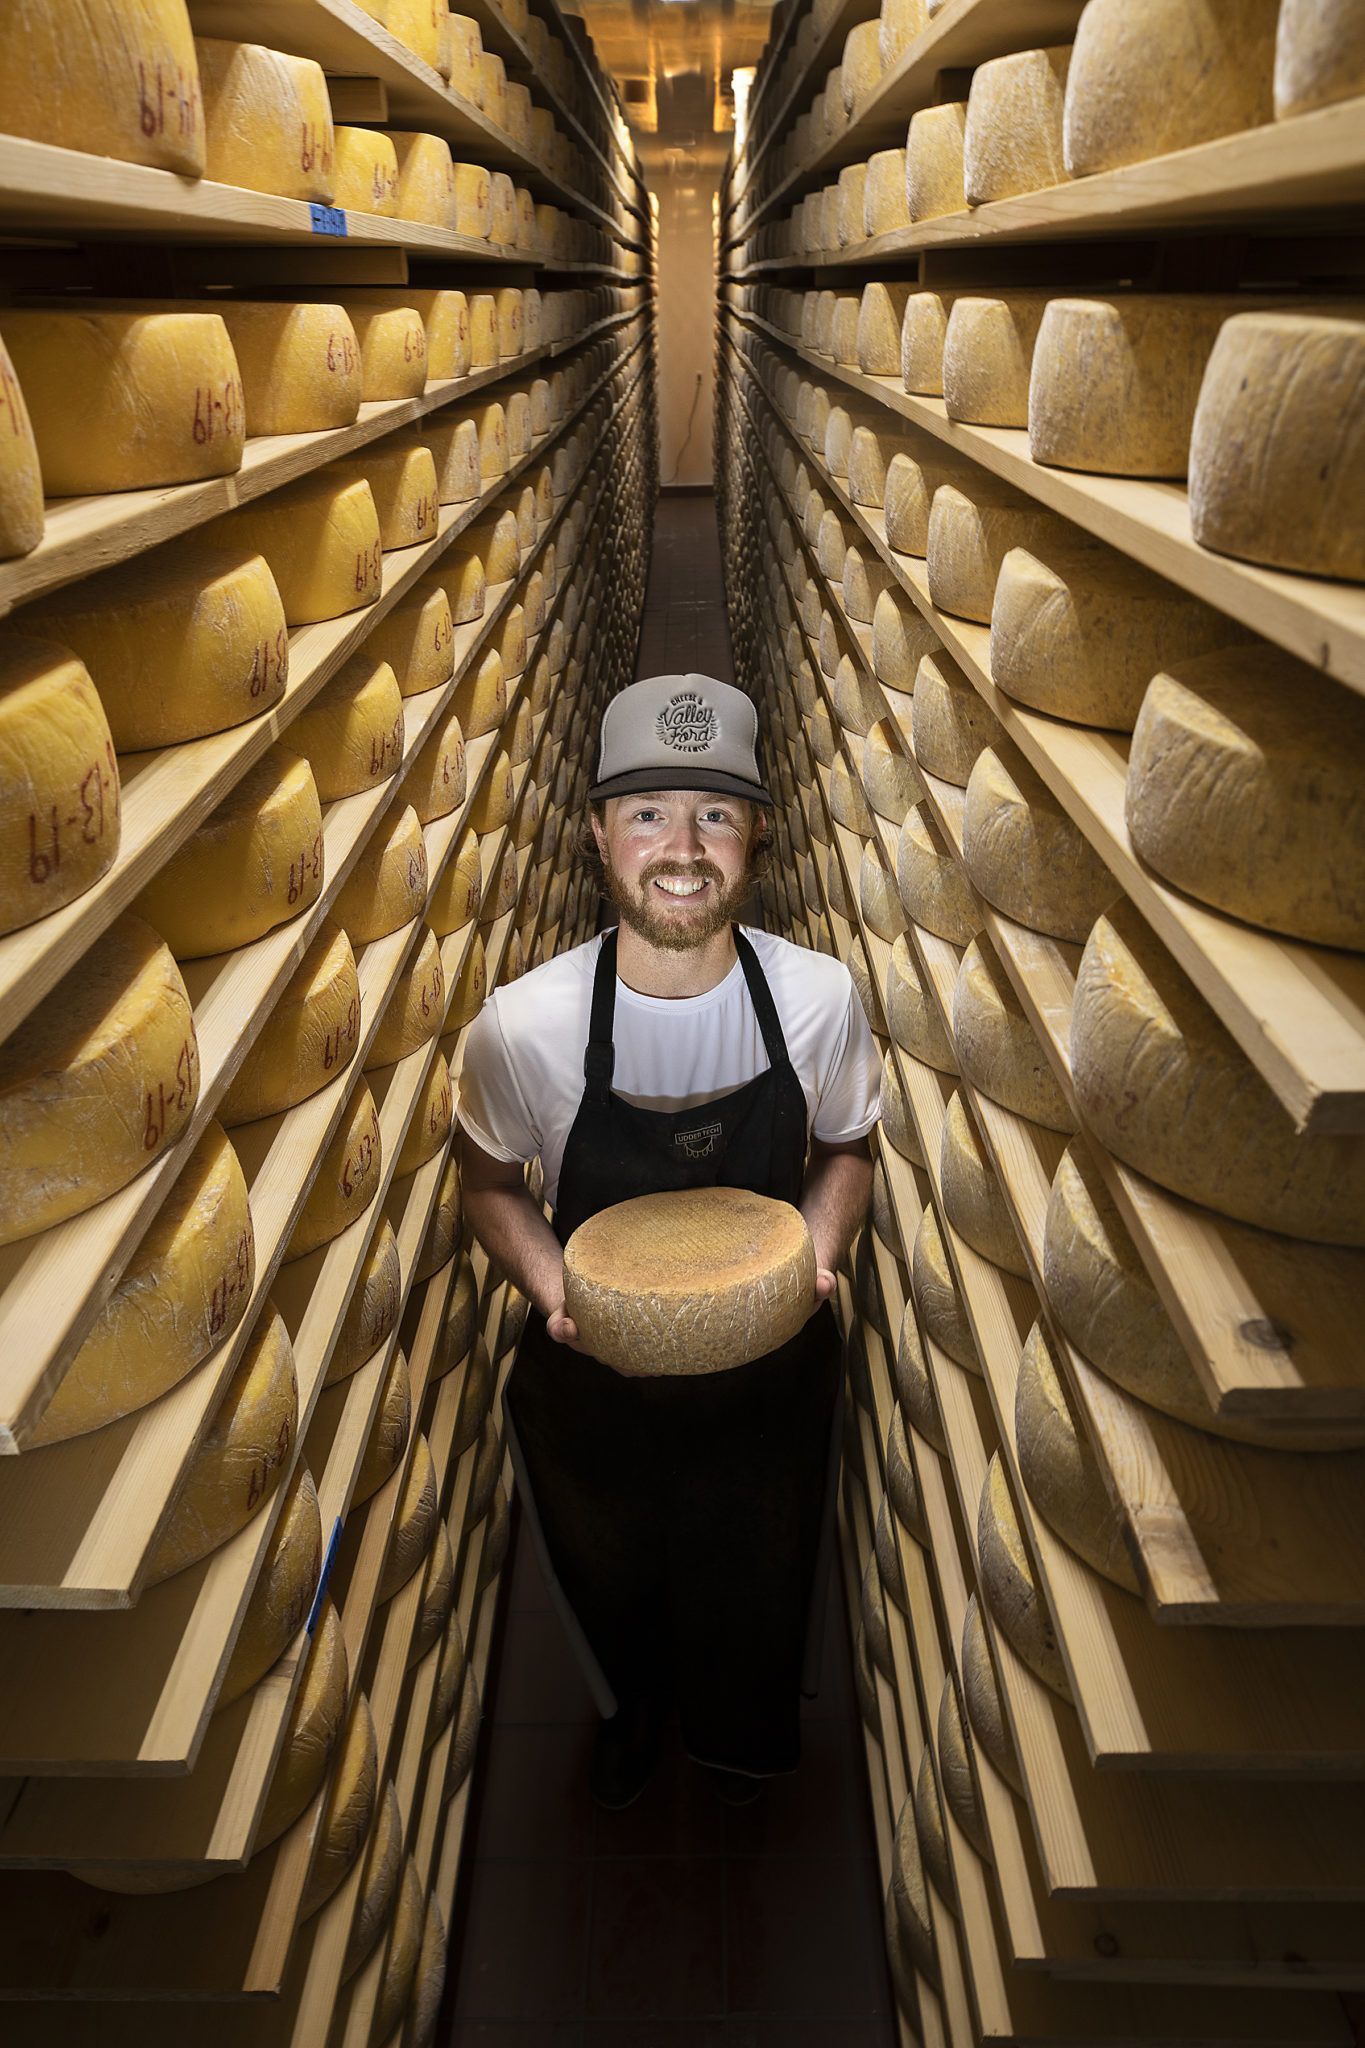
(687, 724)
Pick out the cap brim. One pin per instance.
(675, 777)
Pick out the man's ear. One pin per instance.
(599, 830)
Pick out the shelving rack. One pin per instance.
(114, 1752)
(1175, 1859)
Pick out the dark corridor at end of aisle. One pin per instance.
(680, 1923)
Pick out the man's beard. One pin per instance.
(674, 934)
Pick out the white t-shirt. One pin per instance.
(522, 1078)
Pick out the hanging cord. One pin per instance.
(686, 437)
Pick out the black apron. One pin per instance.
(681, 1520)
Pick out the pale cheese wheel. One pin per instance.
(1081, 634)
(365, 172)
(469, 989)
(415, 1009)
(450, 1677)
(900, 639)
(903, 1496)
(911, 480)
(881, 312)
(313, 1731)
(121, 401)
(933, 161)
(924, 330)
(402, 479)
(465, 1739)
(241, 1459)
(1008, 1585)
(436, 783)
(373, 1308)
(848, 805)
(898, 25)
(454, 445)
(458, 888)
(352, 731)
(429, 1127)
(843, 331)
(973, 1200)
(876, 1632)
(999, 1050)
(283, 1593)
(389, 1432)
(912, 1015)
(861, 64)
(836, 890)
(379, 1879)
(480, 698)
(463, 581)
(909, 1894)
(388, 887)
(957, 1768)
(182, 642)
(1058, 1466)
(831, 545)
(1162, 1084)
(346, 1180)
(267, 120)
(951, 724)
(890, 780)
(348, 1810)
(299, 365)
(1024, 853)
(511, 641)
(988, 356)
(934, 891)
(899, 1126)
(690, 1282)
(1127, 92)
(877, 897)
(852, 199)
(115, 80)
(972, 527)
(1275, 451)
(182, 1294)
(254, 863)
(310, 1034)
(985, 1709)
(886, 207)
(476, 1396)
(1319, 55)
(416, 1518)
(321, 539)
(438, 1594)
(59, 781)
(856, 698)
(21, 479)
(99, 1078)
(935, 1289)
(1013, 139)
(428, 1984)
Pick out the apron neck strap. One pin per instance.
(599, 1058)
(761, 996)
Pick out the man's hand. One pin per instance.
(834, 1202)
(825, 1284)
(564, 1330)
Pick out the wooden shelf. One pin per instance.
(826, 51)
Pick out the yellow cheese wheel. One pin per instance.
(242, 1458)
(511, 641)
(1319, 55)
(483, 331)
(972, 527)
(899, 1126)
(493, 88)
(861, 64)
(1127, 94)
(435, 784)
(1013, 138)
(900, 640)
(1275, 450)
(388, 1432)
(438, 1595)
(886, 206)
(469, 989)
(388, 886)
(321, 539)
(909, 1913)
(877, 897)
(378, 1882)
(1060, 1469)
(914, 1389)
(985, 1710)
(913, 1015)
(462, 577)
(402, 479)
(118, 79)
(254, 863)
(444, 315)
(314, 1729)
(119, 401)
(852, 199)
(426, 178)
(455, 897)
(429, 1128)
(299, 365)
(373, 1308)
(348, 1810)
(309, 1036)
(400, 1962)
(957, 1768)
(933, 889)
(1164, 1086)
(352, 731)
(21, 481)
(480, 699)
(365, 172)
(490, 424)
(1009, 1587)
(890, 780)
(100, 1077)
(933, 161)
(936, 1294)
(416, 1518)
(417, 24)
(999, 1050)
(459, 1328)
(59, 781)
(267, 120)
(502, 232)
(415, 1010)
(393, 351)
(973, 1200)
(507, 304)
(428, 1984)
(902, 1499)
(346, 1180)
(1025, 855)
(987, 357)
(416, 638)
(450, 1678)
(181, 1295)
(283, 1593)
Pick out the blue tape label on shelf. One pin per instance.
(328, 220)
(327, 1564)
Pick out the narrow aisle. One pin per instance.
(680, 1923)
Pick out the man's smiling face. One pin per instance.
(677, 862)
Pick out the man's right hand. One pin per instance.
(563, 1329)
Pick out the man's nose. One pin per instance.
(684, 840)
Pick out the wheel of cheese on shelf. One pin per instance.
(364, 172)
(903, 1498)
(1166, 1088)
(1009, 1587)
(465, 1737)
(121, 401)
(852, 199)
(843, 333)
(402, 479)
(1024, 853)
(973, 524)
(987, 357)
(924, 331)
(389, 1432)
(510, 640)
(519, 735)
(388, 885)
(1128, 92)
(476, 1395)
(957, 1767)
(951, 725)
(241, 1460)
(182, 1294)
(346, 1179)
(429, 1128)
(689, 1282)
(492, 805)
(858, 703)
(267, 120)
(254, 863)
(490, 424)
(933, 161)
(487, 1466)
(1013, 140)
(428, 1984)
(348, 1810)
(437, 192)
(444, 315)
(320, 537)
(973, 1200)
(454, 445)
(373, 1308)
(112, 80)
(313, 1732)
(393, 358)
(508, 306)
(379, 1880)
(900, 640)
(1059, 1467)
(462, 577)
(909, 1900)
(435, 784)
(1246, 789)
(502, 227)
(861, 64)
(309, 1036)
(283, 1593)
(873, 1605)
(480, 699)
(881, 312)
(467, 992)
(415, 1010)
(450, 1676)
(890, 780)
(415, 1522)
(493, 93)
(935, 893)
(458, 888)
(899, 1127)
(981, 1693)
(59, 781)
(483, 332)
(21, 480)
(101, 1076)
(352, 731)
(886, 207)
(912, 1015)
(299, 365)
(417, 25)
(1319, 55)
(999, 1050)
(438, 1593)
(877, 897)
(1275, 452)
(831, 545)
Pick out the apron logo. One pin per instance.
(687, 724)
(698, 1143)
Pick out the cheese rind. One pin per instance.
(1319, 55)
(973, 524)
(987, 357)
(348, 1810)
(267, 120)
(1128, 93)
(378, 1882)
(299, 365)
(1060, 1469)
(1013, 139)
(908, 1899)
(1000, 1052)
(898, 1125)
(389, 1431)
(435, 784)
(985, 1709)
(416, 638)
(416, 1518)
(309, 1036)
(973, 1199)
(903, 1497)
(455, 898)
(393, 350)
(1009, 1588)
(402, 479)
(885, 204)
(283, 1592)
(958, 1770)
(438, 1595)
(347, 1178)
(1024, 853)
(912, 1015)
(21, 479)
(99, 1078)
(933, 161)
(364, 172)
(890, 780)
(312, 1733)
(352, 731)
(934, 891)
(429, 1128)
(59, 781)
(415, 1010)
(388, 888)
(373, 1307)
(900, 640)
(321, 539)
(119, 79)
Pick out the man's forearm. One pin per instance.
(513, 1230)
(834, 1200)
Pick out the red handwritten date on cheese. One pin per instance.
(167, 100)
(386, 750)
(431, 994)
(305, 872)
(369, 566)
(414, 344)
(219, 412)
(438, 1116)
(177, 1094)
(269, 665)
(234, 1283)
(315, 148)
(343, 357)
(259, 1481)
(362, 1159)
(338, 1047)
(417, 866)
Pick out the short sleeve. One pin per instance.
(851, 1081)
(490, 1104)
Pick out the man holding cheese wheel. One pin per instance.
(680, 1520)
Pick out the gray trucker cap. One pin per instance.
(680, 732)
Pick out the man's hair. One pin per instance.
(586, 848)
